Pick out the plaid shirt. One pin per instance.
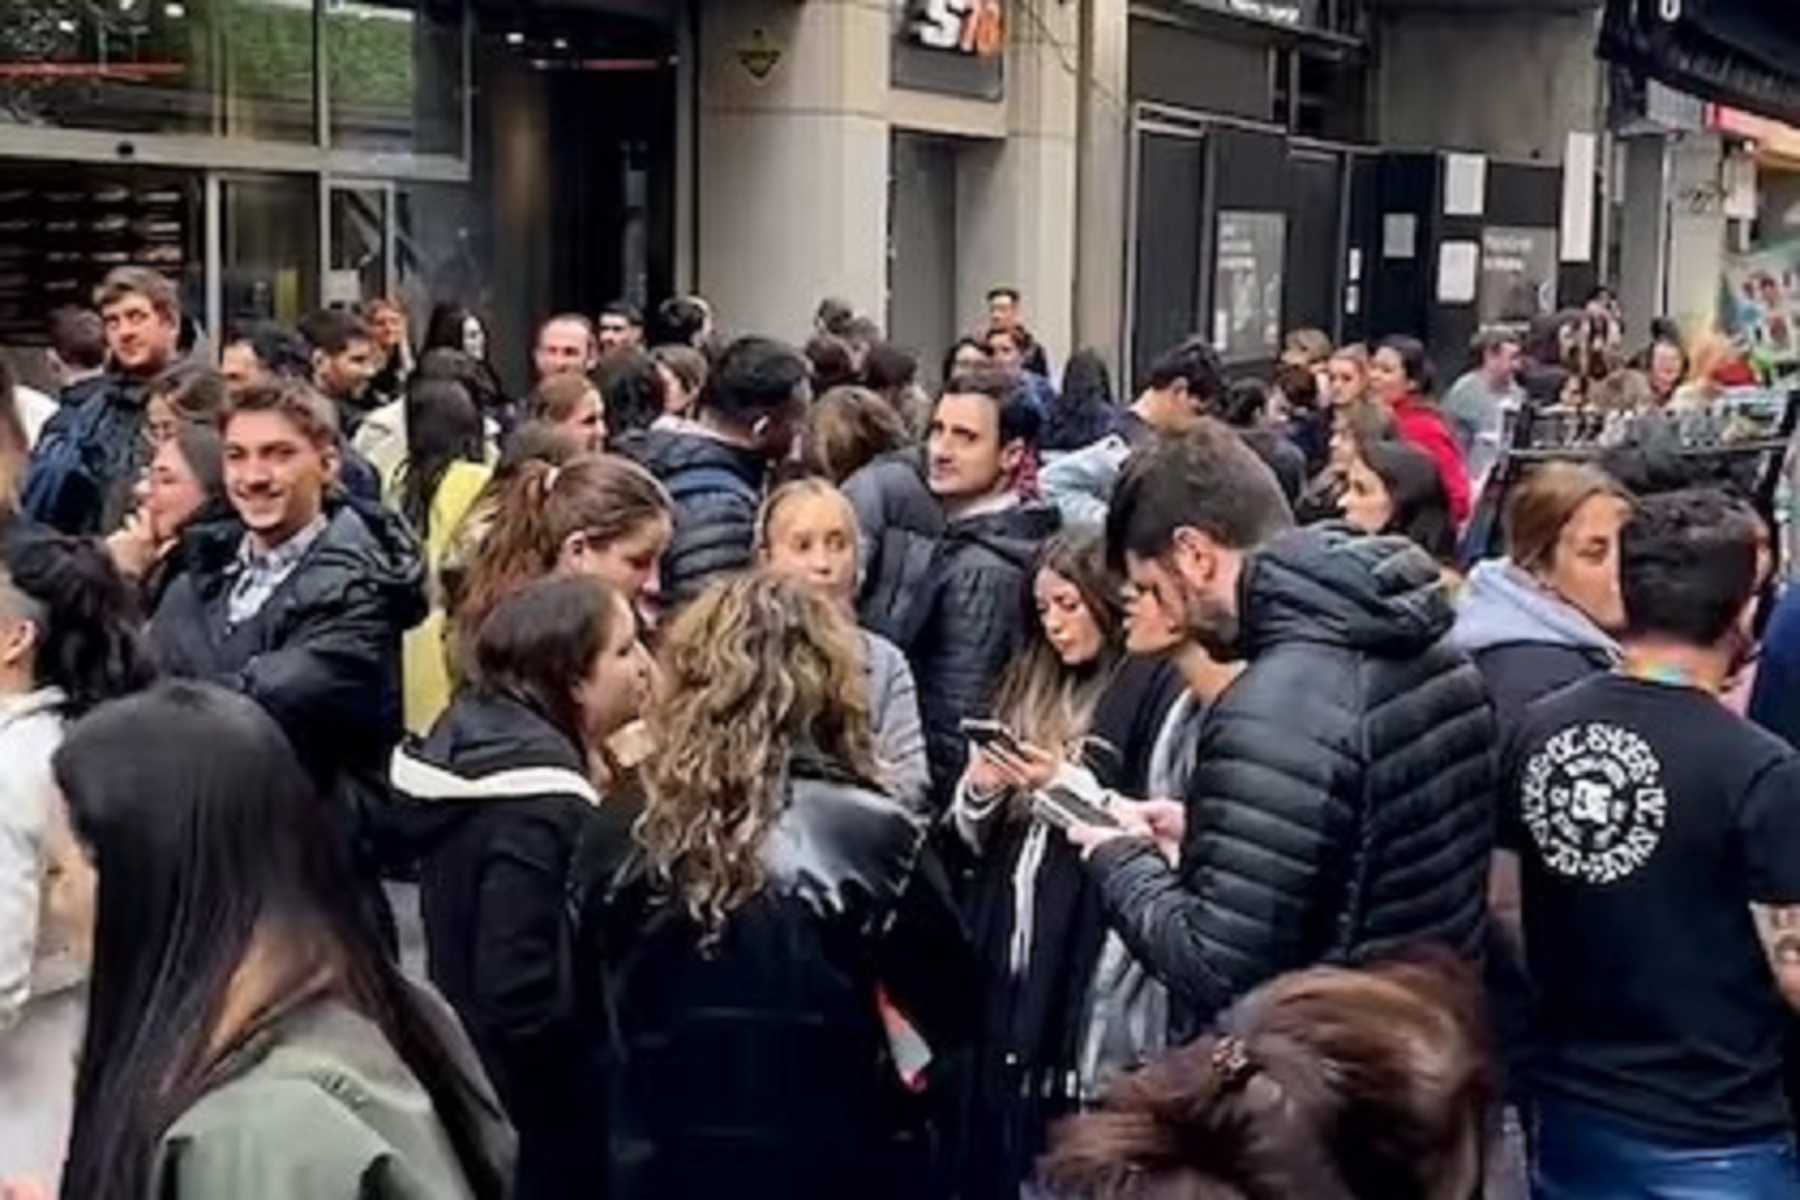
(260, 572)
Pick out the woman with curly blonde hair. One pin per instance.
(778, 893)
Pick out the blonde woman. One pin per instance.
(777, 894)
(807, 532)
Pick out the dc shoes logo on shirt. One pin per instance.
(1593, 802)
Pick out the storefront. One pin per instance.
(277, 155)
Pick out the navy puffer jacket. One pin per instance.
(1343, 805)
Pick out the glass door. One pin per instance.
(360, 259)
(264, 240)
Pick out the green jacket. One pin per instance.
(328, 1112)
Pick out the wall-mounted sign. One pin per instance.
(1247, 278)
(952, 47)
(975, 27)
(1518, 274)
(759, 56)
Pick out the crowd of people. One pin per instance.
(809, 785)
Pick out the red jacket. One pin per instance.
(1424, 426)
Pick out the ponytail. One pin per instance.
(519, 546)
(88, 639)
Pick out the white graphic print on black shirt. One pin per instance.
(1593, 801)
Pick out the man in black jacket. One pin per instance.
(300, 600)
(965, 611)
(1343, 803)
(715, 466)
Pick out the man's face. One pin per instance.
(346, 376)
(239, 365)
(1503, 363)
(563, 348)
(1003, 311)
(274, 475)
(618, 333)
(967, 458)
(1190, 584)
(389, 328)
(142, 340)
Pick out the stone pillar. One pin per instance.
(792, 187)
(1103, 220)
(1643, 234)
(1697, 228)
(1016, 214)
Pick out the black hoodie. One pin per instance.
(965, 625)
(1343, 805)
(501, 817)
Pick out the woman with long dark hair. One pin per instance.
(68, 641)
(1394, 487)
(517, 790)
(247, 1035)
(777, 894)
(1400, 376)
(454, 327)
(434, 488)
(183, 487)
(1086, 409)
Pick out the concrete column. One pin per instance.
(793, 169)
(1697, 227)
(1102, 199)
(1016, 200)
(1643, 234)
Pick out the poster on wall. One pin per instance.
(1762, 302)
(1518, 274)
(1247, 274)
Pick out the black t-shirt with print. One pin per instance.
(1647, 819)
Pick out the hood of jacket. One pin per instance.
(1015, 534)
(1501, 606)
(1329, 585)
(668, 453)
(363, 545)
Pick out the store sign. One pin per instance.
(976, 27)
(1518, 274)
(1248, 269)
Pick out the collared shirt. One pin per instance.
(260, 572)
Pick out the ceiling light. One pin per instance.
(561, 43)
(515, 39)
(66, 25)
(174, 11)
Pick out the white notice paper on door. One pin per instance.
(1399, 235)
(1465, 185)
(1457, 268)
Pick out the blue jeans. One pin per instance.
(1579, 1155)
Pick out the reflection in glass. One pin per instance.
(358, 246)
(396, 75)
(269, 231)
(241, 68)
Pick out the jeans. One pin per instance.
(1580, 1155)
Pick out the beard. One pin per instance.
(1211, 624)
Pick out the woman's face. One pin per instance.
(161, 421)
(585, 427)
(474, 339)
(676, 400)
(1584, 567)
(168, 493)
(388, 325)
(1387, 376)
(1344, 380)
(1366, 503)
(969, 358)
(617, 685)
(1665, 368)
(812, 541)
(631, 564)
(1068, 623)
(1343, 442)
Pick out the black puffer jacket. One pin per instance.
(717, 489)
(964, 623)
(759, 1066)
(322, 655)
(900, 522)
(1343, 805)
(501, 812)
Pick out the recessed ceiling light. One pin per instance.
(561, 43)
(515, 39)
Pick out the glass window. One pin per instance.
(397, 72)
(242, 68)
(358, 245)
(269, 232)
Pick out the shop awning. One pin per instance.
(1740, 53)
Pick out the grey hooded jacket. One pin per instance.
(1526, 641)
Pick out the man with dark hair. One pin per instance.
(621, 328)
(1342, 805)
(957, 609)
(262, 352)
(684, 321)
(1006, 312)
(300, 599)
(1185, 383)
(90, 455)
(716, 466)
(1655, 836)
(566, 345)
(344, 360)
(77, 353)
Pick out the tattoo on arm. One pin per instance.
(1779, 929)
